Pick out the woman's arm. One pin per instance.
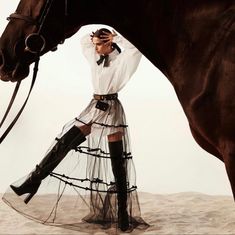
(130, 57)
(88, 49)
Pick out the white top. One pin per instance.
(111, 79)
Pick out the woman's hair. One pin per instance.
(100, 32)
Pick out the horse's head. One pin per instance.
(36, 27)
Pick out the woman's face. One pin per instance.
(101, 47)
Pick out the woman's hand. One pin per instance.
(108, 37)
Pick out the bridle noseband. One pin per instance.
(34, 43)
(28, 19)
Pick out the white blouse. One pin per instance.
(111, 79)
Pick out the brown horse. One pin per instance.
(191, 42)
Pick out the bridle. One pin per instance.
(37, 36)
(34, 43)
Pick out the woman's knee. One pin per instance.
(85, 129)
(117, 136)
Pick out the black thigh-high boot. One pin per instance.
(68, 141)
(119, 171)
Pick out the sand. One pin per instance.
(180, 213)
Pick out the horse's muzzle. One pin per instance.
(12, 73)
(4, 75)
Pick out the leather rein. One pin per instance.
(33, 49)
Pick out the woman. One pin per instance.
(105, 161)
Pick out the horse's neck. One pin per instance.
(172, 32)
(162, 30)
(142, 22)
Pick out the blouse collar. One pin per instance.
(113, 54)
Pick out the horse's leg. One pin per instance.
(226, 88)
(205, 144)
(228, 147)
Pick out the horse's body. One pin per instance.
(191, 42)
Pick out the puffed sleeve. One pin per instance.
(88, 48)
(129, 58)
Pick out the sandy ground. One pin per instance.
(181, 213)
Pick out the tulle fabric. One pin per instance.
(81, 190)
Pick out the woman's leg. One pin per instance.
(70, 140)
(117, 136)
(85, 129)
(119, 171)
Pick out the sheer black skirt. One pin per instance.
(82, 187)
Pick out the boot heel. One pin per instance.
(29, 197)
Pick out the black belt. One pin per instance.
(106, 97)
